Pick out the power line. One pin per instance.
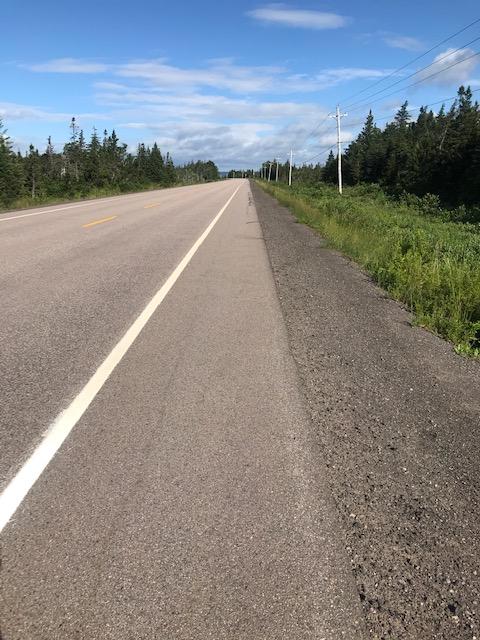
(317, 127)
(314, 130)
(413, 84)
(439, 44)
(324, 150)
(392, 115)
(386, 117)
(349, 106)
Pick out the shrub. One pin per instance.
(428, 263)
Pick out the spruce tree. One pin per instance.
(11, 178)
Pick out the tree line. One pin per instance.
(103, 163)
(437, 153)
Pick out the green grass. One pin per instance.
(88, 194)
(430, 265)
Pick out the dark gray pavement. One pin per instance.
(397, 419)
(69, 293)
(190, 501)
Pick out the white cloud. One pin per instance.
(219, 74)
(133, 125)
(330, 77)
(451, 67)
(236, 145)
(224, 75)
(13, 111)
(403, 42)
(113, 86)
(237, 115)
(197, 105)
(68, 65)
(279, 14)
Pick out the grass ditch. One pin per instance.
(430, 265)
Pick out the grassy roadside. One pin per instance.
(430, 265)
(92, 194)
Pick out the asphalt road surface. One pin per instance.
(160, 473)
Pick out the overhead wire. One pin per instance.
(314, 130)
(324, 150)
(361, 103)
(415, 109)
(413, 84)
(410, 62)
(448, 55)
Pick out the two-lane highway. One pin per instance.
(69, 291)
(147, 382)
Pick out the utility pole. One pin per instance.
(338, 117)
(290, 169)
(276, 175)
(269, 170)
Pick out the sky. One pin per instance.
(234, 82)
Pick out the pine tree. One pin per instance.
(330, 169)
(92, 165)
(156, 166)
(33, 172)
(170, 176)
(11, 178)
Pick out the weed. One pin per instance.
(428, 263)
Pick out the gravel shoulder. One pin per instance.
(397, 417)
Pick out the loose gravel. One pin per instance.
(397, 416)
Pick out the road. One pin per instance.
(160, 475)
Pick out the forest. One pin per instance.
(102, 165)
(432, 161)
(409, 213)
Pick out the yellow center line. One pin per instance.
(91, 224)
(153, 204)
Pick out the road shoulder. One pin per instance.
(396, 414)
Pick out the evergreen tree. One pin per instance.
(33, 172)
(156, 165)
(330, 173)
(93, 158)
(169, 171)
(11, 178)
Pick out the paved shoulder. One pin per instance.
(397, 414)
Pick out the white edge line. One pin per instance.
(14, 493)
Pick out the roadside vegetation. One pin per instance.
(410, 214)
(437, 153)
(407, 245)
(101, 166)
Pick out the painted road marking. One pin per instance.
(96, 203)
(14, 493)
(153, 204)
(92, 224)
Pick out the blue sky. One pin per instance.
(233, 82)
